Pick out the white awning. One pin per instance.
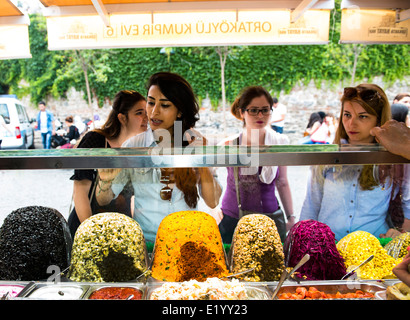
(373, 22)
(14, 38)
(126, 24)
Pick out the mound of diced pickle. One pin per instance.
(108, 247)
(256, 244)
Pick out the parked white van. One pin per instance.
(20, 133)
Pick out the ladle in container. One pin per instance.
(286, 275)
(360, 265)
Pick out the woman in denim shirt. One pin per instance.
(357, 197)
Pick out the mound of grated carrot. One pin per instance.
(188, 246)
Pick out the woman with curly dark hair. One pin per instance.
(172, 112)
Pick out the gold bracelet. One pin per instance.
(106, 181)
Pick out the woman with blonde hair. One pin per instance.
(358, 197)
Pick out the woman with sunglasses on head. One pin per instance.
(172, 112)
(358, 197)
(127, 118)
(256, 185)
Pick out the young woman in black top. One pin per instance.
(127, 118)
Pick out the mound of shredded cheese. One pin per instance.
(211, 289)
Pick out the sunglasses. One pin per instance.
(255, 111)
(128, 91)
(367, 95)
(166, 192)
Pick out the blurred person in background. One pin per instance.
(45, 124)
(3, 129)
(402, 98)
(278, 116)
(400, 113)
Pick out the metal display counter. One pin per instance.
(209, 156)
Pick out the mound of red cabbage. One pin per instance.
(318, 240)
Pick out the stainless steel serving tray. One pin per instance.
(94, 287)
(333, 286)
(5, 283)
(56, 291)
(254, 290)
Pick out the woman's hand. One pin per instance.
(195, 138)
(290, 223)
(394, 136)
(104, 194)
(217, 214)
(108, 174)
(391, 233)
(402, 270)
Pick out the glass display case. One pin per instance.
(295, 157)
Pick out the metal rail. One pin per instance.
(209, 156)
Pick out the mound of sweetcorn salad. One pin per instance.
(108, 247)
(357, 247)
(188, 246)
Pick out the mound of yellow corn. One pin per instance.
(357, 247)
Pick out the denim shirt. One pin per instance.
(50, 119)
(335, 198)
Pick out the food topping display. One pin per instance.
(108, 247)
(188, 246)
(316, 239)
(211, 289)
(397, 247)
(10, 290)
(116, 293)
(32, 239)
(57, 292)
(398, 291)
(313, 293)
(357, 247)
(256, 244)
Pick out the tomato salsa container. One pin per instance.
(116, 291)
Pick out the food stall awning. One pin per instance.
(375, 21)
(92, 24)
(14, 39)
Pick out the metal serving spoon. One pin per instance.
(237, 273)
(285, 275)
(360, 265)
